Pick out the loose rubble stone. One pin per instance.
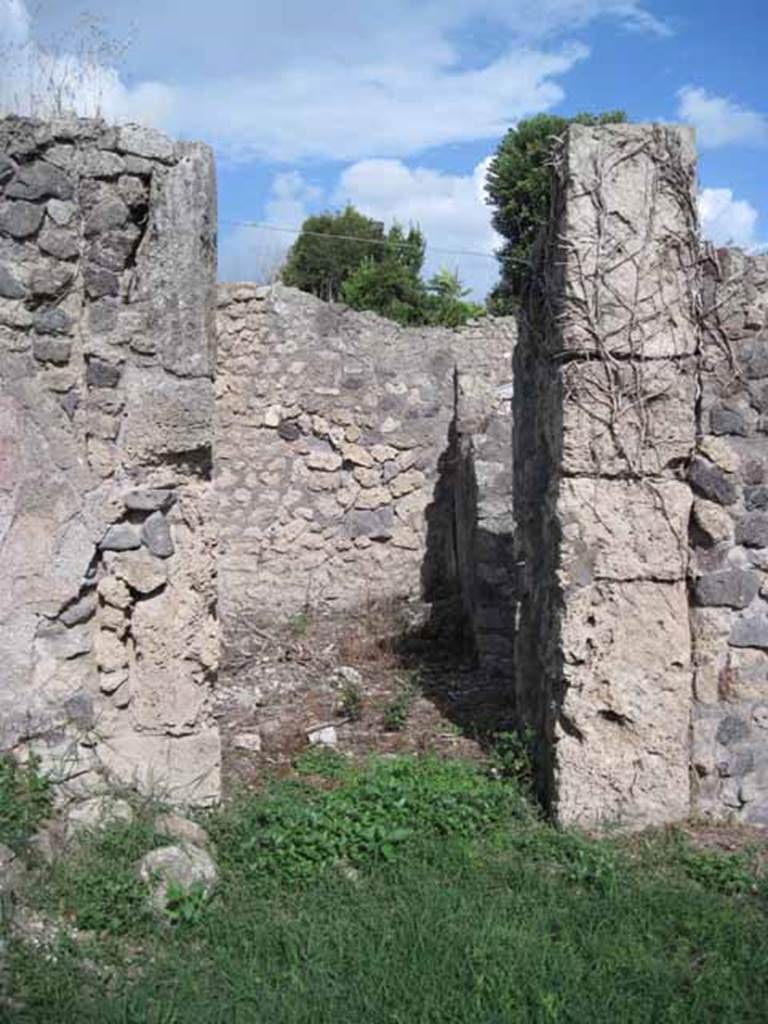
(323, 735)
(248, 741)
(756, 497)
(152, 499)
(174, 826)
(156, 534)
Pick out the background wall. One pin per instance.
(337, 453)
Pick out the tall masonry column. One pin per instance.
(605, 399)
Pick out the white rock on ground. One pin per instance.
(184, 864)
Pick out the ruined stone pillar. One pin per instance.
(107, 580)
(605, 379)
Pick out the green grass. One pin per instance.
(463, 907)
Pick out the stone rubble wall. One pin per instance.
(729, 542)
(605, 396)
(107, 600)
(335, 458)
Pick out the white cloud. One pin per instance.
(248, 252)
(719, 121)
(299, 80)
(450, 209)
(726, 220)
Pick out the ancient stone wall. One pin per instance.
(605, 393)
(600, 528)
(729, 539)
(336, 457)
(107, 592)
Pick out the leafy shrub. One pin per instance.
(25, 800)
(399, 708)
(351, 700)
(510, 756)
(365, 820)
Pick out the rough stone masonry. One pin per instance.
(182, 466)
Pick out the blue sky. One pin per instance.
(396, 105)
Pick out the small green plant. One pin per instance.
(185, 905)
(321, 760)
(729, 873)
(351, 700)
(25, 800)
(399, 708)
(510, 756)
(298, 624)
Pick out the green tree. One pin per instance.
(391, 285)
(329, 248)
(518, 189)
(447, 300)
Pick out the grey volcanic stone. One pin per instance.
(10, 288)
(732, 588)
(40, 180)
(51, 280)
(100, 282)
(61, 213)
(711, 482)
(756, 497)
(156, 534)
(53, 321)
(150, 500)
(113, 249)
(106, 215)
(59, 242)
(121, 537)
(376, 525)
(751, 631)
(754, 356)
(101, 374)
(82, 609)
(752, 530)
(145, 142)
(7, 168)
(20, 219)
(52, 350)
(727, 421)
(731, 730)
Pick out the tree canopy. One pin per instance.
(518, 188)
(349, 257)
